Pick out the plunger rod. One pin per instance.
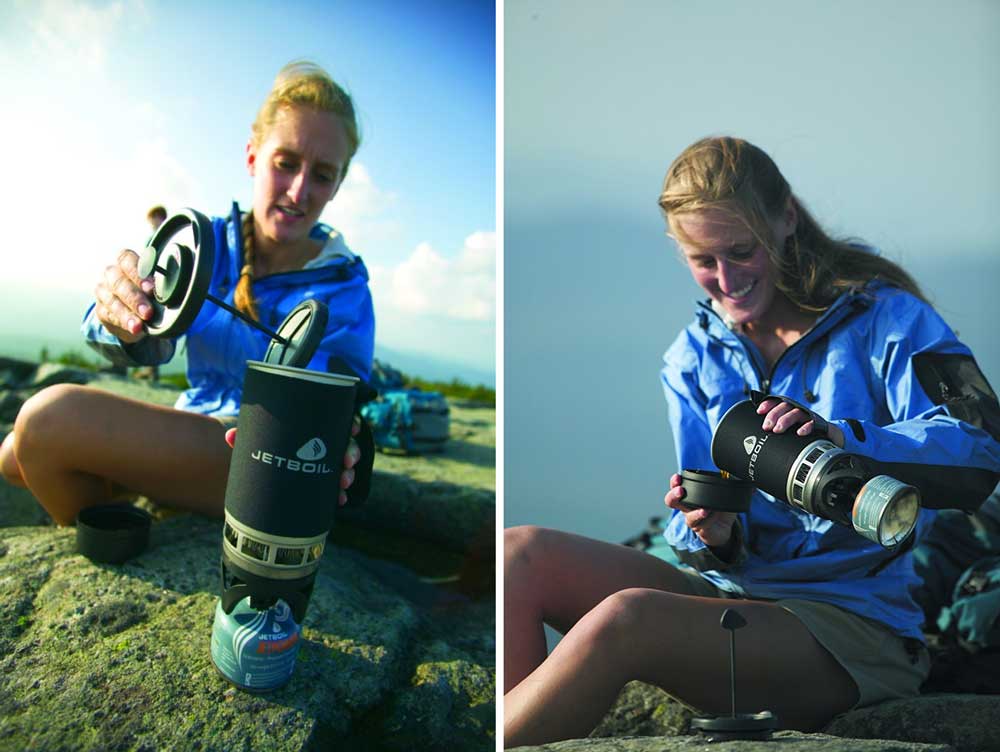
(732, 670)
(240, 315)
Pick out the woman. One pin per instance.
(74, 447)
(831, 624)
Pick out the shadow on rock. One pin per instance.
(472, 453)
(117, 656)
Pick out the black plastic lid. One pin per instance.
(711, 490)
(112, 533)
(749, 726)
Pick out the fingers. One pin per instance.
(694, 516)
(122, 302)
(698, 518)
(128, 262)
(674, 496)
(346, 479)
(352, 456)
(356, 425)
(717, 529)
(780, 416)
(713, 527)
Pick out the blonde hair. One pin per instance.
(734, 176)
(299, 84)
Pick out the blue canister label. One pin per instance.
(254, 649)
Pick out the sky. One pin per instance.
(112, 107)
(884, 117)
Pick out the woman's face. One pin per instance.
(297, 168)
(730, 264)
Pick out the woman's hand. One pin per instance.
(122, 298)
(713, 527)
(351, 457)
(780, 416)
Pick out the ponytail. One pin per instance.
(243, 294)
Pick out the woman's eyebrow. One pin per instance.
(285, 151)
(723, 248)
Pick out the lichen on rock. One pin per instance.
(116, 657)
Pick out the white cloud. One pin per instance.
(73, 36)
(361, 211)
(87, 160)
(428, 284)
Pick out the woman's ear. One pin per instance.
(251, 157)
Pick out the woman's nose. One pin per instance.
(298, 189)
(724, 275)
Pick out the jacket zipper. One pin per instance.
(765, 383)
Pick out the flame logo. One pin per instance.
(312, 450)
(749, 443)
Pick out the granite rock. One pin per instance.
(398, 648)
(964, 723)
(785, 741)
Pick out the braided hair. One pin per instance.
(243, 294)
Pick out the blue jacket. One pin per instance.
(869, 365)
(219, 344)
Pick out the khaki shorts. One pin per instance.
(227, 421)
(882, 664)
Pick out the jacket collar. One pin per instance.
(850, 302)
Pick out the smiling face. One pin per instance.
(730, 263)
(297, 168)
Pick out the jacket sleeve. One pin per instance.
(944, 437)
(149, 351)
(692, 433)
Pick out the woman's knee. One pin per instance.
(44, 419)
(9, 469)
(529, 565)
(619, 623)
(521, 546)
(631, 609)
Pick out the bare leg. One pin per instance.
(675, 642)
(9, 468)
(627, 615)
(73, 445)
(556, 577)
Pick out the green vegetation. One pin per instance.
(455, 389)
(72, 358)
(178, 380)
